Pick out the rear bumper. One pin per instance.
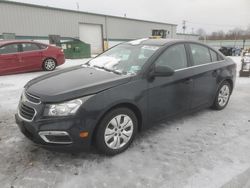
(34, 131)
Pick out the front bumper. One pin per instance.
(72, 127)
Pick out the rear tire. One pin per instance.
(49, 64)
(116, 131)
(222, 96)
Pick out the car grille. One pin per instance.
(32, 98)
(26, 112)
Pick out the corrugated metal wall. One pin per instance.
(130, 29)
(33, 21)
(39, 21)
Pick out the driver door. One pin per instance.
(9, 62)
(168, 96)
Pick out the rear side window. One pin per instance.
(200, 54)
(214, 55)
(43, 46)
(174, 57)
(220, 58)
(30, 47)
(9, 49)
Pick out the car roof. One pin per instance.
(159, 42)
(3, 42)
(165, 42)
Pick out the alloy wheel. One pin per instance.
(224, 95)
(119, 131)
(49, 64)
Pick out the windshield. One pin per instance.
(124, 58)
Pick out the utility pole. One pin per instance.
(77, 6)
(184, 26)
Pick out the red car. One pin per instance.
(25, 56)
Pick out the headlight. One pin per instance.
(64, 109)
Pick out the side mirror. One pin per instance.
(162, 71)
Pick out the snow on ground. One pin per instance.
(204, 149)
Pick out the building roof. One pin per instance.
(81, 12)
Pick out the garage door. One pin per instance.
(92, 34)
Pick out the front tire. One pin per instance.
(49, 64)
(116, 131)
(222, 96)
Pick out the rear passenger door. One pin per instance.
(31, 56)
(205, 72)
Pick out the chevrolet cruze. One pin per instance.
(106, 101)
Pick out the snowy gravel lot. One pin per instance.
(204, 149)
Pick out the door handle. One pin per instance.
(188, 81)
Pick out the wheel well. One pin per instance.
(130, 106)
(231, 83)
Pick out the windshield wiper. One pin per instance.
(109, 70)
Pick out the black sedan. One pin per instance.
(122, 91)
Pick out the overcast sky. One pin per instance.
(212, 15)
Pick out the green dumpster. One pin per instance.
(76, 49)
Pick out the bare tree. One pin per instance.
(248, 30)
(233, 34)
(202, 33)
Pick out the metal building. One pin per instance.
(26, 21)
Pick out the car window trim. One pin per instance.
(194, 66)
(151, 62)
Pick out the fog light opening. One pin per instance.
(55, 137)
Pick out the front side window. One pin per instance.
(29, 47)
(174, 57)
(9, 49)
(124, 58)
(200, 54)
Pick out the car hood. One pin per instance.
(73, 83)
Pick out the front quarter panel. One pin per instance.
(133, 93)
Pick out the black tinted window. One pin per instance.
(29, 47)
(214, 56)
(43, 46)
(220, 58)
(174, 57)
(8, 49)
(200, 54)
